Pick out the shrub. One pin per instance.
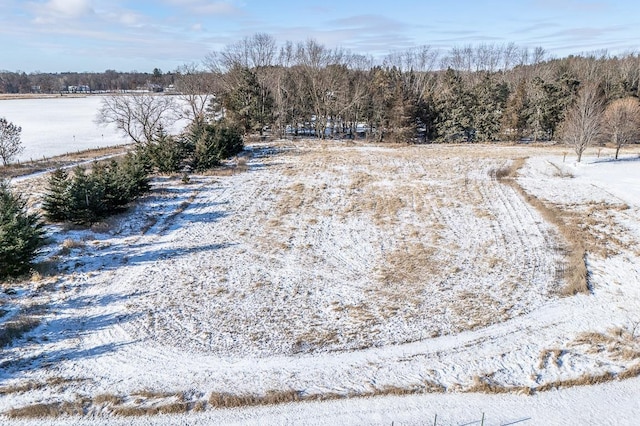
(21, 234)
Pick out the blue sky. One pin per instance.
(126, 35)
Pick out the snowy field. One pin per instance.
(56, 126)
(61, 125)
(324, 271)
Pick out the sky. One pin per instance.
(128, 35)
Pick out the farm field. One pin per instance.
(432, 280)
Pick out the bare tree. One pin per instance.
(258, 50)
(137, 116)
(622, 122)
(10, 144)
(196, 88)
(582, 125)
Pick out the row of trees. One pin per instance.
(83, 197)
(109, 80)
(485, 93)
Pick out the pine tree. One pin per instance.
(215, 142)
(454, 110)
(167, 152)
(249, 105)
(491, 98)
(86, 198)
(514, 119)
(133, 175)
(56, 201)
(21, 234)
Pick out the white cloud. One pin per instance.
(61, 9)
(129, 18)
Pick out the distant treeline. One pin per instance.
(109, 80)
(471, 93)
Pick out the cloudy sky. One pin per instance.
(126, 35)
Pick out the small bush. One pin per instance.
(21, 234)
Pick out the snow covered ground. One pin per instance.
(46, 128)
(333, 271)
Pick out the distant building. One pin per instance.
(83, 88)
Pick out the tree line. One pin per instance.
(485, 92)
(474, 93)
(20, 82)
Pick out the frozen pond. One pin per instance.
(55, 126)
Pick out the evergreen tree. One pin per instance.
(86, 197)
(214, 143)
(454, 109)
(491, 98)
(57, 200)
(21, 234)
(249, 104)
(133, 174)
(514, 119)
(549, 104)
(166, 152)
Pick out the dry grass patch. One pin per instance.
(583, 380)
(487, 384)
(138, 411)
(558, 172)
(26, 320)
(550, 355)
(476, 309)
(574, 270)
(620, 344)
(70, 244)
(228, 400)
(107, 398)
(411, 263)
(51, 409)
(30, 385)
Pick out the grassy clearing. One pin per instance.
(398, 233)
